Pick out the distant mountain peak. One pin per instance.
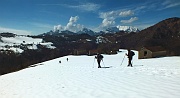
(112, 30)
(121, 28)
(86, 31)
(128, 28)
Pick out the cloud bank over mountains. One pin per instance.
(108, 20)
(74, 27)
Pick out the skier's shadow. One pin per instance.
(107, 67)
(138, 65)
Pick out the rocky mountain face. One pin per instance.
(165, 33)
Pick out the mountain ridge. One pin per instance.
(165, 33)
(84, 30)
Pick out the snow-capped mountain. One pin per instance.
(121, 28)
(86, 31)
(57, 32)
(128, 28)
(92, 33)
(112, 30)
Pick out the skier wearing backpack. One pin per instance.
(130, 56)
(99, 57)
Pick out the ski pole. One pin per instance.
(93, 62)
(103, 63)
(122, 60)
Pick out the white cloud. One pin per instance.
(139, 8)
(59, 27)
(169, 4)
(172, 5)
(71, 25)
(16, 31)
(86, 7)
(166, 2)
(132, 19)
(126, 13)
(73, 19)
(107, 23)
(83, 6)
(110, 17)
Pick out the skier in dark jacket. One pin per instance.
(99, 57)
(130, 56)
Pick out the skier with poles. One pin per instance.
(99, 57)
(130, 56)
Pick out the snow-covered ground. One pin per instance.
(79, 77)
(14, 43)
(21, 39)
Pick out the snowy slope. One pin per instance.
(21, 39)
(80, 78)
(15, 43)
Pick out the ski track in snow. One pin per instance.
(80, 78)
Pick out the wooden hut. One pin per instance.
(93, 52)
(151, 52)
(80, 52)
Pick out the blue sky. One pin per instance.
(40, 16)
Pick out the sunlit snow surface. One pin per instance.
(14, 43)
(79, 77)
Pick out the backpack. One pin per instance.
(132, 53)
(101, 57)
